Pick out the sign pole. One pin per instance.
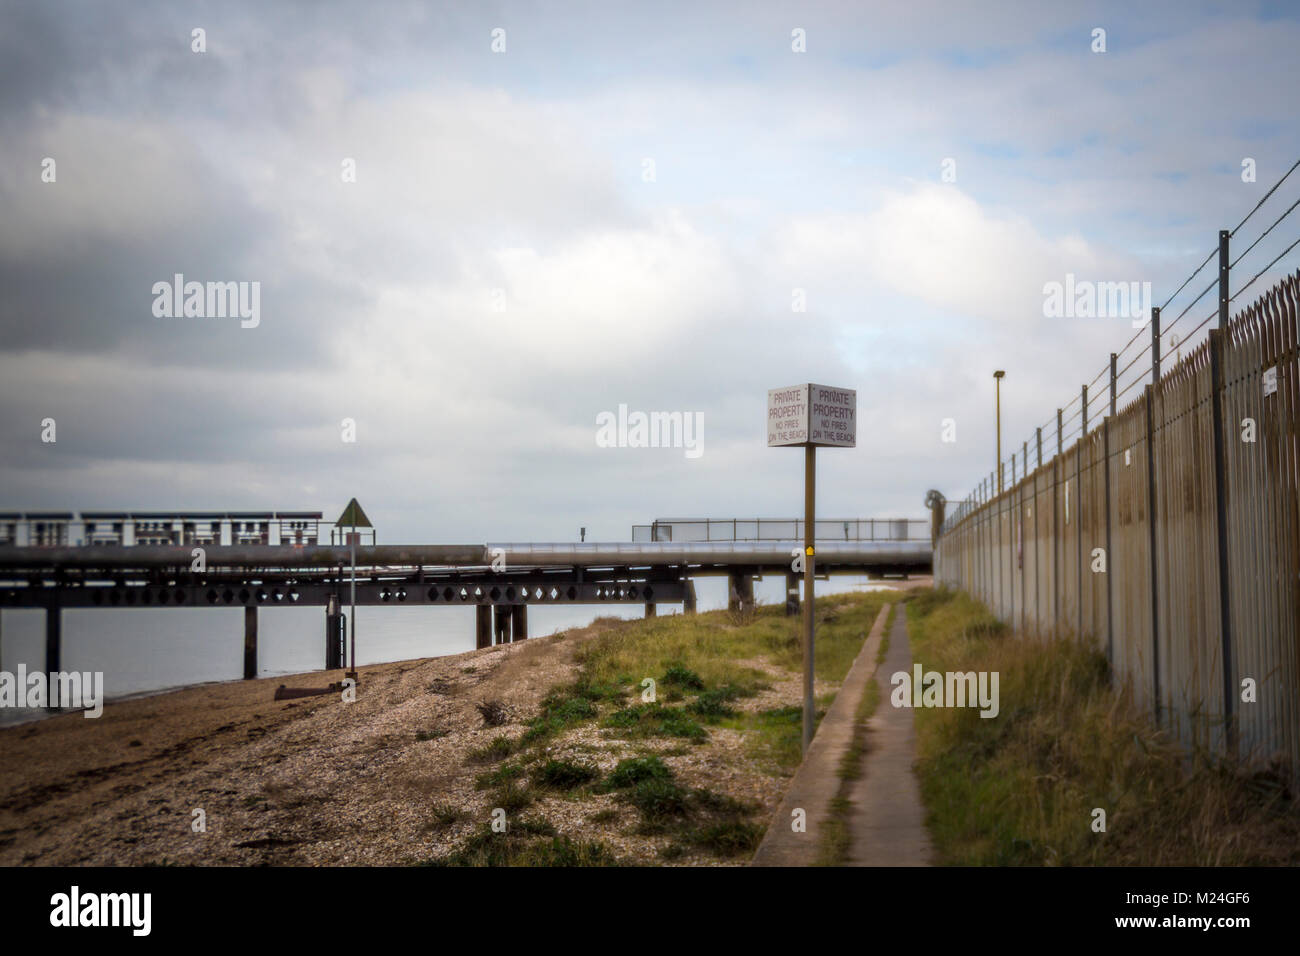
(352, 518)
(354, 601)
(810, 415)
(809, 527)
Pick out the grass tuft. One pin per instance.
(634, 770)
(564, 774)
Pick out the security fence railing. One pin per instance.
(1170, 533)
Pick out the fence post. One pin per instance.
(980, 544)
(1038, 557)
(1011, 534)
(1078, 504)
(998, 519)
(1155, 345)
(1110, 555)
(1058, 533)
(1151, 543)
(1217, 339)
(1020, 536)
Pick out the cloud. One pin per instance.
(520, 174)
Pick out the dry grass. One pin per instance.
(1021, 788)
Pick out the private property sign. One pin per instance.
(812, 415)
(809, 416)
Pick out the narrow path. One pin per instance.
(887, 820)
(817, 781)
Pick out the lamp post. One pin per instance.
(997, 379)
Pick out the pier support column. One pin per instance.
(791, 594)
(250, 643)
(740, 592)
(333, 636)
(688, 602)
(53, 648)
(519, 622)
(651, 610)
(501, 620)
(482, 626)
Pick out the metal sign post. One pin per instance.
(352, 620)
(353, 517)
(809, 559)
(808, 416)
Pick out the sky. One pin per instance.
(476, 227)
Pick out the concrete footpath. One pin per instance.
(887, 818)
(817, 781)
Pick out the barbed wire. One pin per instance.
(1266, 195)
(1189, 278)
(1260, 237)
(1074, 420)
(1265, 269)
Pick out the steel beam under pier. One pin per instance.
(518, 622)
(247, 589)
(791, 594)
(501, 623)
(688, 597)
(482, 626)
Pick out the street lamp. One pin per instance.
(997, 378)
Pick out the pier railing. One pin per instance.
(781, 529)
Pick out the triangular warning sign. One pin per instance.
(353, 517)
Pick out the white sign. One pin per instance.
(1270, 380)
(812, 415)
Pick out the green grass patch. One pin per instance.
(564, 774)
(1020, 788)
(654, 720)
(634, 770)
(834, 848)
(702, 651)
(660, 799)
(727, 838)
(682, 678)
(512, 796)
(502, 774)
(527, 843)
(706, 664)
(715, 704)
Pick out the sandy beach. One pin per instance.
(316, 781)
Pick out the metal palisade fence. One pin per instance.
(1170, 535)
